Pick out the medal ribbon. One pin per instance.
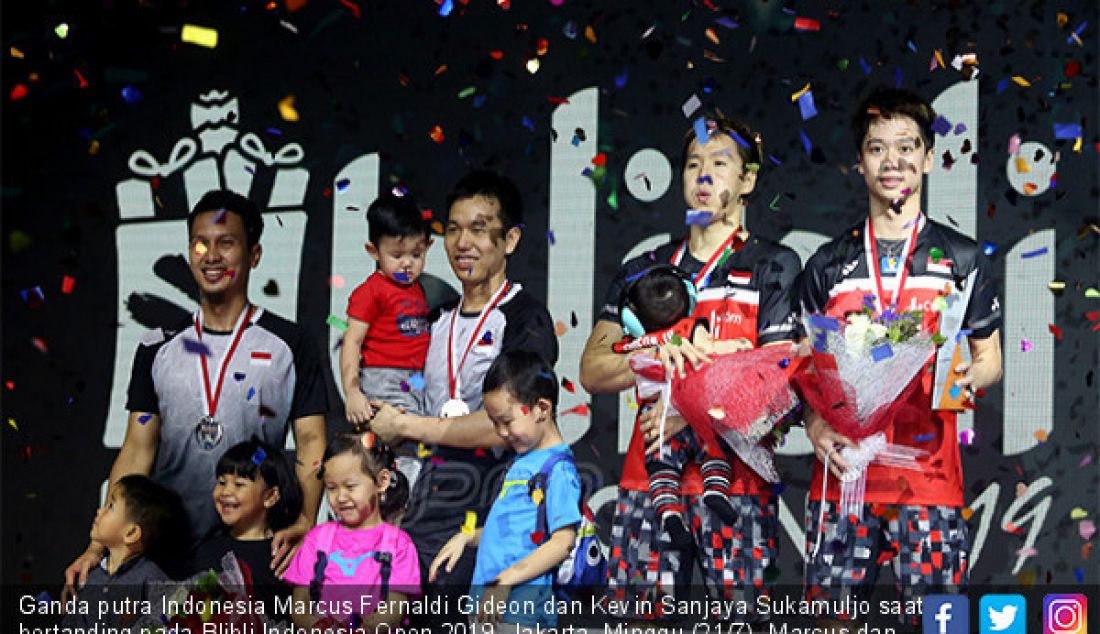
(223, 365)
(733, 242)
(870, 248)
(452, 372)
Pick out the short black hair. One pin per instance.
(231, 202)
(373, 460)
(887, 103)
(526, 376)
(750, 145)
(659, 297)
(160, 514)
(396, 217)
(491, 185)
(246, 458)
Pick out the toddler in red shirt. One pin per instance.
(387, 337)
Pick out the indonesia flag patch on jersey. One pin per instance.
(261, 358)
(742, 278)
(942, 267)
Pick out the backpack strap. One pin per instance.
(320, 564)
(385, 558)
(538, 482)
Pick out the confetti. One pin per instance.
(145, 418)
(579, 410)
(259, 456)
(691, 105)
(1041, 435)
(470, 525)
(821, 322)
(1025, 345)
(287, 110)
(698, 217)
(717, 413)
(12, 423)
(701, 134)
(806, 144)
(61, 30)
(1078, 513)
(1020, 81)
(806, 105)
(196, 347)
(533, 65)
(238, 376)
(446, 8)
(199, 35)
(806, 24)
(131, 95)
(560, 328)
(941, 126)
(436, 134)
(1055, 330)
(251, 393)
(550, 236)
(989, 248)
(568, 385)
(1086, 528)
(337, 323)
(1034, 254)
(19, 91)
(1064, 131)
(966, 437)
(880, 353)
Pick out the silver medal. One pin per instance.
(454, 408)
(209, 433)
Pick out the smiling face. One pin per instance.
(522, 427)
(400, 258)
(353, 494)
(477, 244)
(219, 254)
(893, 159)
(242, 503)
(714, 177)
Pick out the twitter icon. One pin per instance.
(1003, 614)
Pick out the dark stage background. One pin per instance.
(110, 132)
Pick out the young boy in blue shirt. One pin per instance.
(514, 573)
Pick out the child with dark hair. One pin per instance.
(345, 568)
(661, 299)
(387, 337)
(140, 524)
(898, 259)
(517, 565)
(256, 495)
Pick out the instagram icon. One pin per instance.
(1065, 614)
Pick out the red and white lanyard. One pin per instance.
(732, 243)
(452, 372)
(870, 248)
(213, 397)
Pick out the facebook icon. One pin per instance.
(946, 614)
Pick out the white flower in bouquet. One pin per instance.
(855, 333)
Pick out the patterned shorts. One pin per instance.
(643, 566)
(928, 547)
